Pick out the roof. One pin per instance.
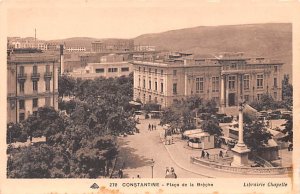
(39, 139)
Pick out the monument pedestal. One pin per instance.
(240, 155)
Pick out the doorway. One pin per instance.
(231, 99)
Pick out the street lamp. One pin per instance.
(152, 165)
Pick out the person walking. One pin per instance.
(120, 173)
(149, 127)
(207, 154)
(202, 154)
(152, 127)
(167, 171)
(172, 170)
(221, 154)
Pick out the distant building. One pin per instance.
(113, 45)
(75, 49)
(225, 79)
(32, 82)
(144, 48)
(109, 66)
(29, 42)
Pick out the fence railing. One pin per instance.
(243, 170)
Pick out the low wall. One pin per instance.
(243, 170)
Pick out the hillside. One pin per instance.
(77, 41)
(267, 40)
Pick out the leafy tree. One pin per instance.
(287, 92)
(212, 127)
(148, 107)
(256, 135)
(66, 85)
(31, 162)
(15, 133)
(288, 130)
(265, 103)
(46, 122)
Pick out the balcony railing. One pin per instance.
(35, 76)
(22, 76)
(47, 74)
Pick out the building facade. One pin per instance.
(109, 66)
(113, 45)
(226, 80)
(32, 82)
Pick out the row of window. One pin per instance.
(34, 69)
(259, 96)
(215, 83)
(246, 82)
(111, 70)
(150, 85)
(155, 71)
(35, 103)
(150, 98)
(35, 86)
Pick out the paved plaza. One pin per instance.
(138, 150)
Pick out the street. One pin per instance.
(138, 150)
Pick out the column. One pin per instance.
(227, 92)
(185, 84)
(241, 88)
(241, 127)
(222, 98)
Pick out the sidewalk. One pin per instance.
(181, 156)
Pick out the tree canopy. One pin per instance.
(80, 143)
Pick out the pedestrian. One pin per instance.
(172, 170)
(202, 154)
(167, 171)
(120, 173)
(152, 127)
(207, 154)
(221, 154)
(138, 176)
(149, 127)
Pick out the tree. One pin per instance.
(15, 133)
(31, 162)
(212, 127)
(256, 135)
(265, 103)
(287, 92)
(288, 130)
(46, 122)
(66, 85)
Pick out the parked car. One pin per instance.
(274, 115)
(223, 118)
(286, 114)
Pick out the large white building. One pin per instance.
(226, 79)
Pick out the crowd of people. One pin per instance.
(205, 154)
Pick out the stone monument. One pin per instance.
(240, 150)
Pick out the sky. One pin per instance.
(56, 19)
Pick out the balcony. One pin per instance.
(22, 76)
(35, 76)
(47, 75)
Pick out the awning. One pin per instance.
(135, 103)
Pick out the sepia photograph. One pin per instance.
(138, 93)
